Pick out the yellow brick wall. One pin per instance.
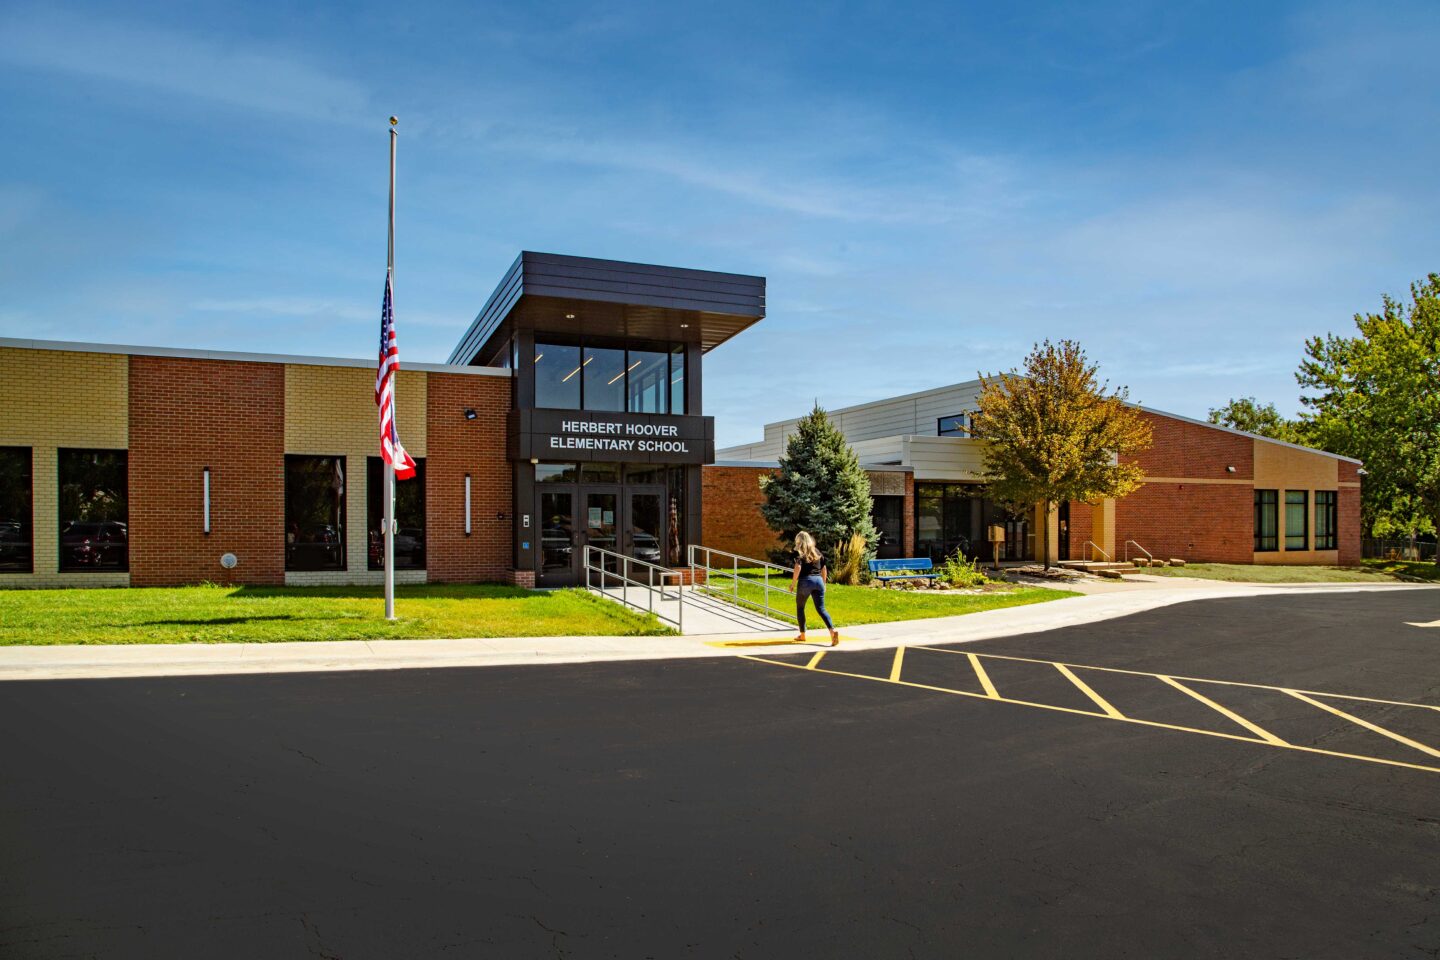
(331, 411)
(53, 399)
(1282, 468)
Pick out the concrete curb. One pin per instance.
(162, 660)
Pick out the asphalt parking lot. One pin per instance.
(762, 806)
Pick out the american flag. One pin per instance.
(390, 448)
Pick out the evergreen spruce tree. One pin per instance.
(820, 487)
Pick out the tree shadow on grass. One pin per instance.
(416, 591)
(214, 621)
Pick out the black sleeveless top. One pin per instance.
(808, 569)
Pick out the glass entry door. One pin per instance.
(645, 525)
(558, 555)
(601, 520)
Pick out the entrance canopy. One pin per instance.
(583, 296)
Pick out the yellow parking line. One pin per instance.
(990, 690)
(1227, 683)
(1090, 713)
(1260, 732)
(1100, 701)
(1366, 724)
(895, 667)
(815, 660)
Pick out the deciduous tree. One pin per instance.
(1054, 433)
(1248, 414)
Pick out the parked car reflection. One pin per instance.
(95, 545)
(314, 546)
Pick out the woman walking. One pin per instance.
(809, 581)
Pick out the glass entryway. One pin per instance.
(949, 517)
(633, 515)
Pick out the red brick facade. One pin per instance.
(456, 446)
(1194, 521)
(1348, 506)
(1080, 530)
(186, 415)
(1180, 449)
(731, 518)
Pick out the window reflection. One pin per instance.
(604, 372)
(557, 376)
(677, 380)
(16, 531)
(409, 517)
(649, 376)
(94, 510)
(314, 513)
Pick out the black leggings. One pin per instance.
(806, 588)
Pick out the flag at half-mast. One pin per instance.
(390, 448)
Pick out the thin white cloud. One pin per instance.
(249, 77)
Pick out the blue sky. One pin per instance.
(1189, 190)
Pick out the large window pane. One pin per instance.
(888, 514)
(314, 513)
(1297, 514)
(17, 533)
(649, 389)
(557, 376)
(1267, 521)
(677, 379)
(94, 510)
(1326, 515)
(676, 533)
(409, 517)
(556, 473)
(604, 373)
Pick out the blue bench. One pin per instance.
(915, 568)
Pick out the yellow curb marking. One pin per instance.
(1087, 713)
(990, 690)
(815, 660)
(1260, 732)
(895, 667)
(1100, 701)
(1366, 724)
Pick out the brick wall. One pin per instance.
(1348, 508)
(1194, 451)
(186, 415)
(477, 447)
(731, 517)
(54, 399)
(1193, 521)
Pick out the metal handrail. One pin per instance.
(649, 583)
(1095, 548)
(735, 576)
(1147, 553)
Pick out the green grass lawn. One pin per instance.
(852, 606)
(1276, 573)
(213, 614)
(1406, 569)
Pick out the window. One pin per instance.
(94, 510)
(1297, 519)
(409, 517)
(600, 472)
(1326, 520)
(604, 371)
(1267, 521)
(677, 379)
(17, 533)
(648, 373)
(888, 514)
(610, 379)
(557, 376)
(314, 513)
(556, 473)
(955, 426)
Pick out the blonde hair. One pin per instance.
(805, 547)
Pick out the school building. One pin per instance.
(570, 413)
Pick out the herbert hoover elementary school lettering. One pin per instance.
(570, 413)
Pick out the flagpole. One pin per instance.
(389, 464)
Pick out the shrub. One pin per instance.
(849, 560)
(957, 571)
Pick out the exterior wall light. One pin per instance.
(470, 413)
(205, 500)
(467, 504)
(1229, 469)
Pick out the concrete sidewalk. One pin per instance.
(155, 660)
